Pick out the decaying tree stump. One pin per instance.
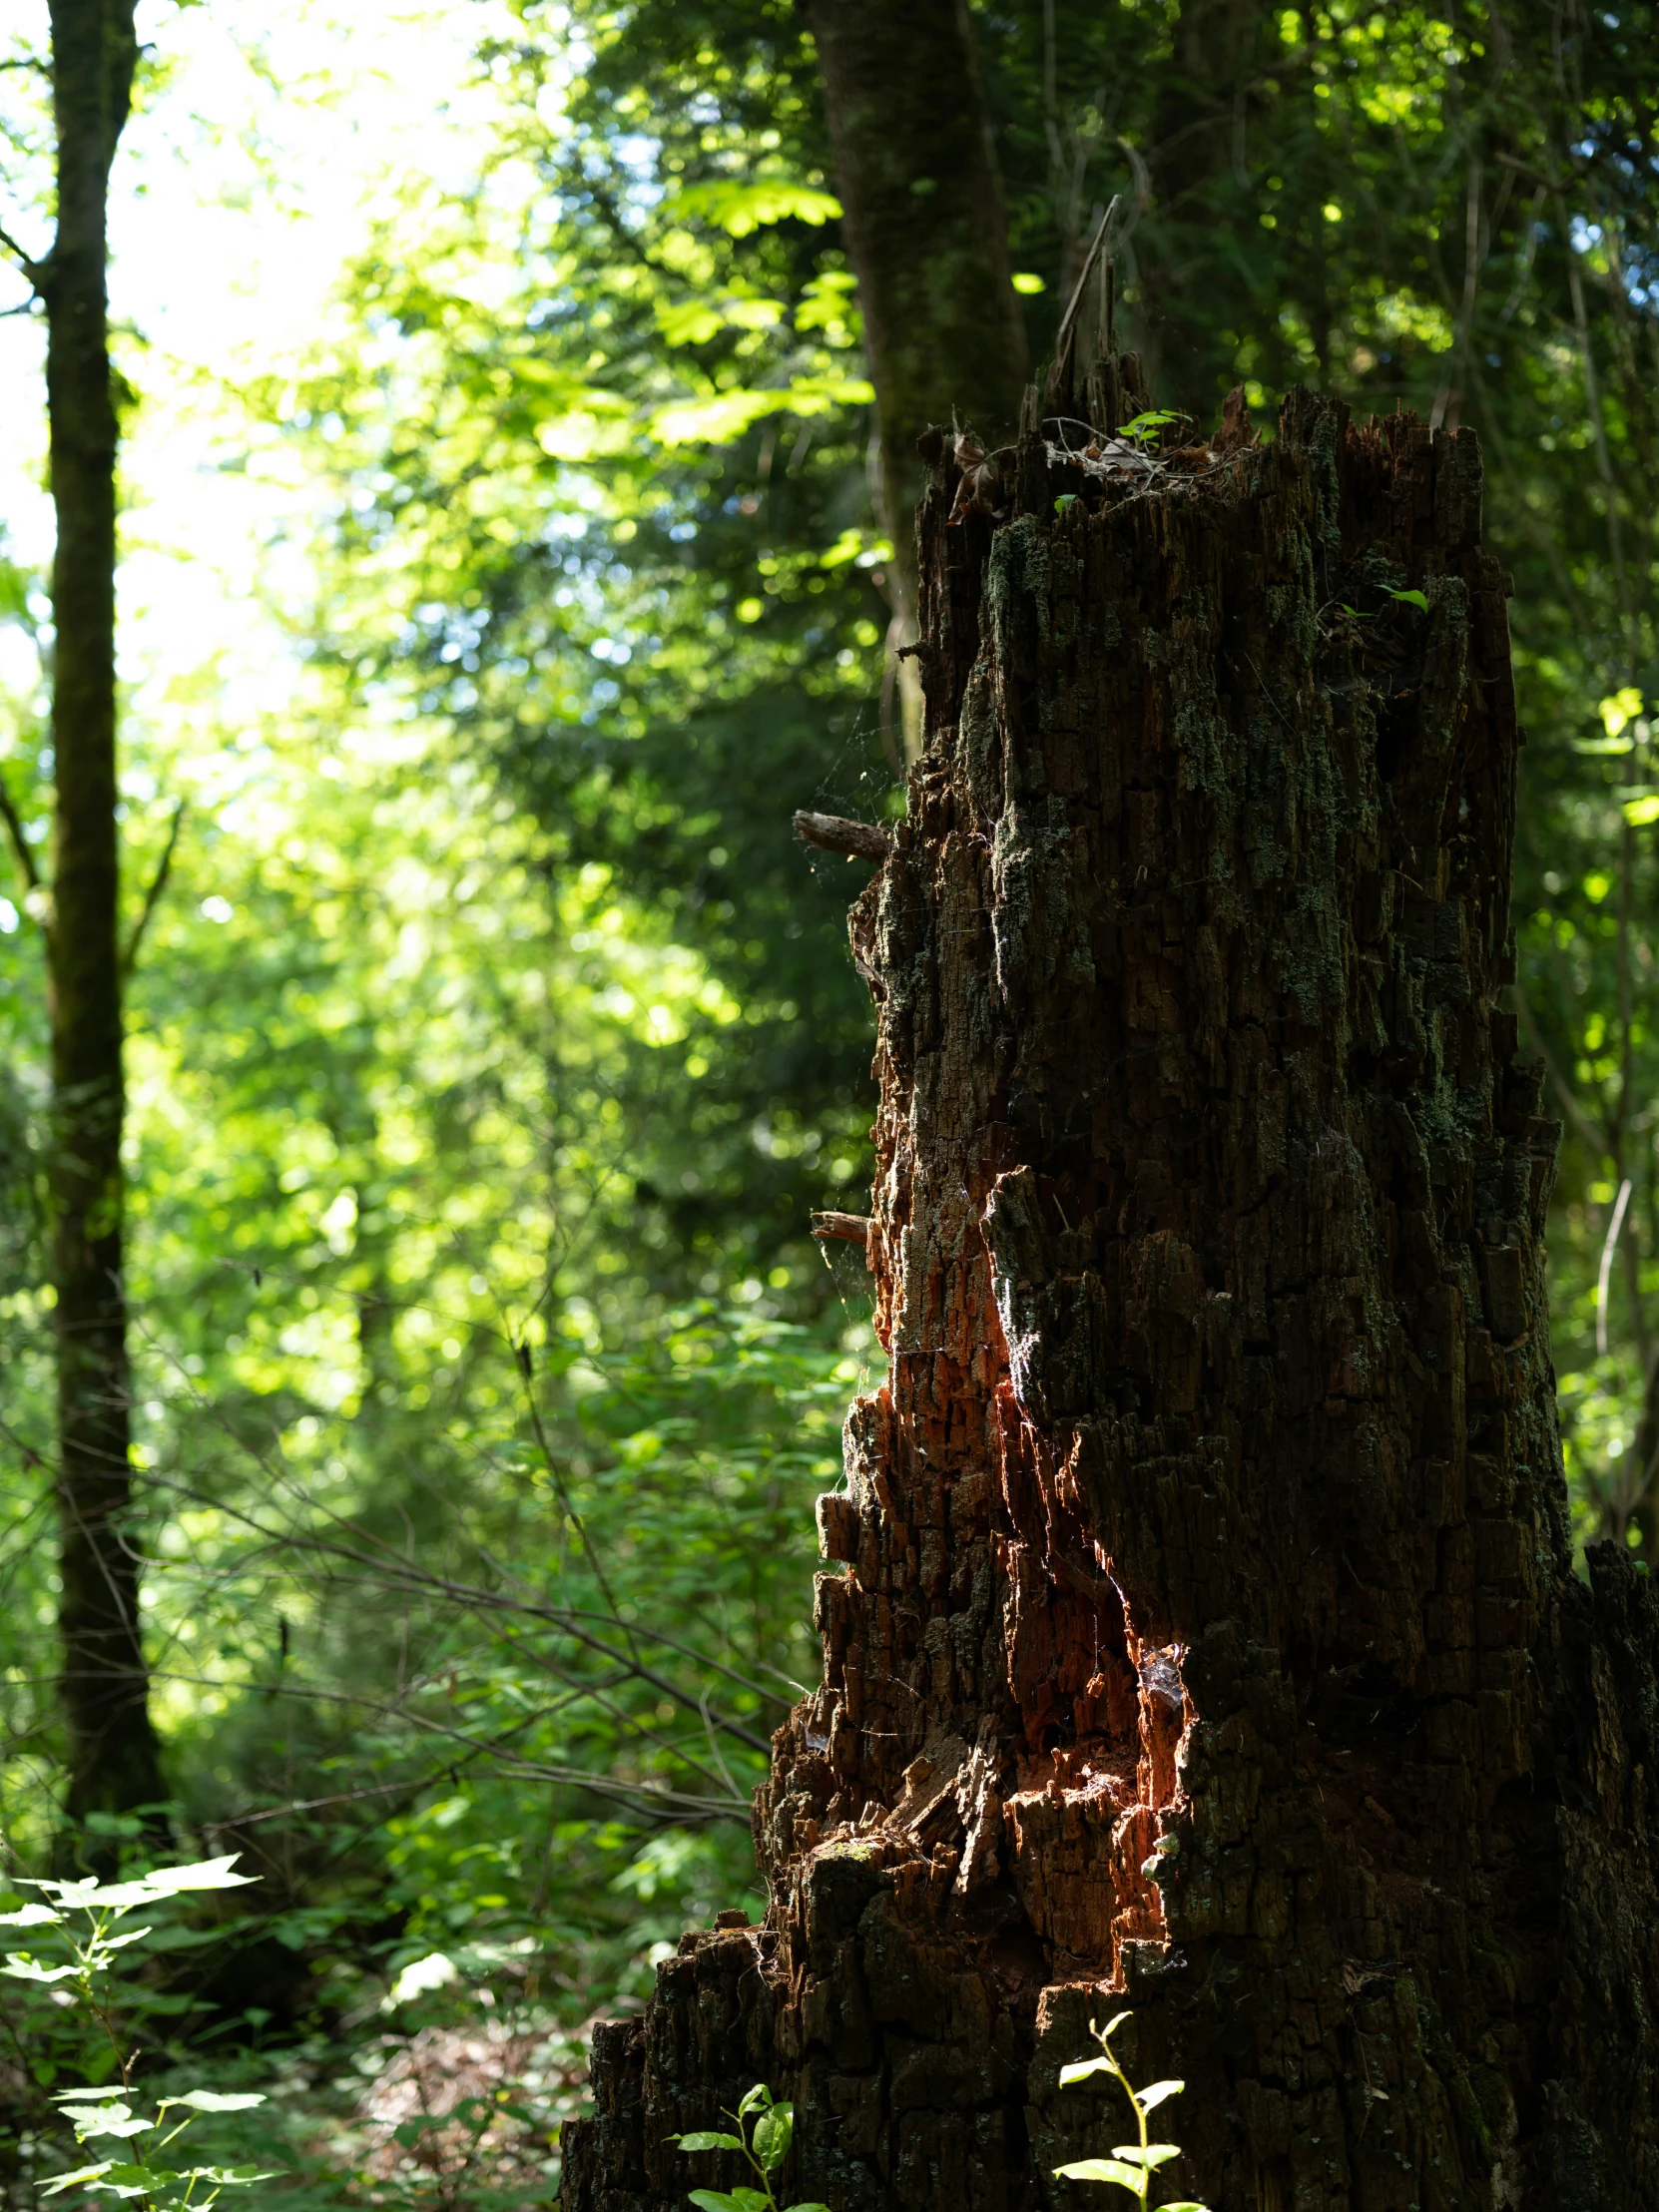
(1203, 1626)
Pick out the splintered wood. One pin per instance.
(1201, 1624)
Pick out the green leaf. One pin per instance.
(713, 2200)
(738, 207)
(1411, 598)
(1066, 500)
(807, 2207)
(135, 2181)
(105, 1944)
(204, 1874)
(1148, 2099)
(31, 1916)
(1113, 2024)
(1103, 2169)
(751, 2201)
(69, 2181)
(211, 2100)
(115, 1896)
(704, 2138)
(772, 2131)
(759, 2095)
(1183, 2204)
(1082, 2070)
(1154, 2154)
(1146, 427)
(1640, 811)
(82, 2096)
(104, 2119)
(23, 1969)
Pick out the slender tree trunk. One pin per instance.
(914, 151)
(1206, 1632)
(112, 1748)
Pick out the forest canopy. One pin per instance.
(505, 554)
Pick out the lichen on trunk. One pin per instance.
(1202, 1625)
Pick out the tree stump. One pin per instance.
(1202, 1636)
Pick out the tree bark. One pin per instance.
(112, 1756)
(1206, 1631)
(911, 139)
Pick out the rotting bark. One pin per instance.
(112, 1756)
(1205, 1627)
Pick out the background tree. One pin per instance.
(946, 334)
(113, 1762)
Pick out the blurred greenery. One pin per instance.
(494, 1037)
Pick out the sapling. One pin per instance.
(765, 2132)
(95, 1945)
(1131, 2165)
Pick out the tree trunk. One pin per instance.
(913, 146)
(113, 1762)
(1206, 1631)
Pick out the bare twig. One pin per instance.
(1604, 1278)
(153, 896)
(33, 269)
(19, 842)
(1588, 1134)
(1066, 336)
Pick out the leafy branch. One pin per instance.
(108, 2109)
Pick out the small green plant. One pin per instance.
(85, 1917)
(765, 2132)
(1146, 428)
(1415, 599)
(1131, 2165)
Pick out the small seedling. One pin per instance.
(765, 2132)
(1131, 2165)
(1146, 427)
(1410, 598)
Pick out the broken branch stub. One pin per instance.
(860, 841)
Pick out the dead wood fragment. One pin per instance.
(841, 1227)
(860, 841)
(1236, 429)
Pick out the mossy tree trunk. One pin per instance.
(113, 1765)
(1204, 1635)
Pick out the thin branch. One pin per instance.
(405, 1575)
(153, 896)
(33, 269)
(1595, 1138)
(20, 843)
(1604, 1278)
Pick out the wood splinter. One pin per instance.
(860, 841)
(843, 1228)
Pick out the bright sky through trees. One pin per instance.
(245, 183)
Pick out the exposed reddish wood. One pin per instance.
(1203, 1627)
